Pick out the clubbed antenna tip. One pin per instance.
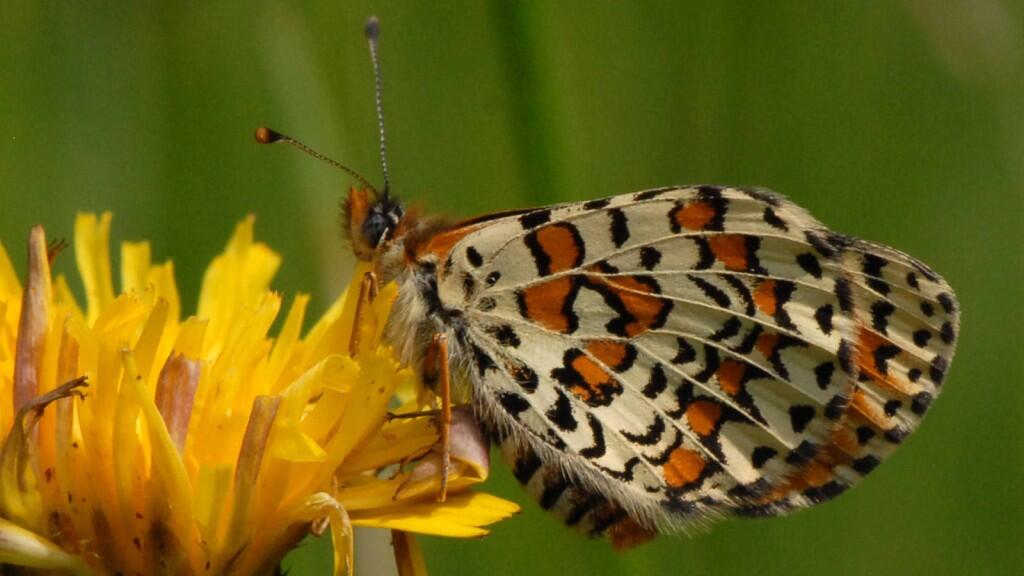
(372, 28)
(265, 135)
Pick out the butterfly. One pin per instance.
(654, 361)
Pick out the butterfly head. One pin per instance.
(371, 220)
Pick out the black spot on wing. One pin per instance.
(505, 335)
(525, 377)
(761, 455)
(650, 257)
(474, 257)
(845, 354)
(597, 204)
(865, 434)
(783, 293)
(836, 407)
(921, 337)
(927, 309)
(598, 448)
(651, 436)
(937, 370)
(883, 354)
(809, 263)
(483, 361)
(773, 219)
(744, 292)
(912, 281)
(535, 218)
(920, 402)
(872, 267)
(685, 352)
(554, 486)
(650, 194)
(731, 328)
(619, 227)
(823, 315)
(802, 453)
(716, 294)
(820, 243)
(513, 403)
(866, 464)
(560, 413)
(766, 196)
(947, 302)
(844, 294)
(656, 382)
(823, 374)
(880, 312)
(947, 333)
(707, 257)
(526, 466)
(711, 364)
(800, 416)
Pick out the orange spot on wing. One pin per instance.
(867, 343)
(441, 244)
(611, 354)
(640, 301)
(861, 404)
(561, 246)
(764, 297)
(730, 250)
(703, 416)
(766, 344)
(695, 215)
(730, 376)
(544, 303)
(597, 382)
(684, 467)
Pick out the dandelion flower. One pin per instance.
(135, 442)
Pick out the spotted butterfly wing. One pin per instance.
(655, 360)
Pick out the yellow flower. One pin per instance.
(134, 442)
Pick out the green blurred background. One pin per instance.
(896, 121)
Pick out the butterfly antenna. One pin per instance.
(372, 33)
(265, 135)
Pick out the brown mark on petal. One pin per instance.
(16, 452)
(250, 459)
(34, 321)
(175, 392)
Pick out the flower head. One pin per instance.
(135, 442)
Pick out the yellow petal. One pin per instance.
(92, 252)
(34, 322)
(321, 505)
(135, 263)
(291, 445)
(462, 516)
(9, 283)
(22, 547)
(18, 498)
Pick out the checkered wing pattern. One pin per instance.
(654, 360)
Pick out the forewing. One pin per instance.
(689, 350)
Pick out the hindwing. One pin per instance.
(687, 352)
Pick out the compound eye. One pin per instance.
(374, 227)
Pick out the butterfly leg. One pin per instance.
(367, 294)
(437, 375)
